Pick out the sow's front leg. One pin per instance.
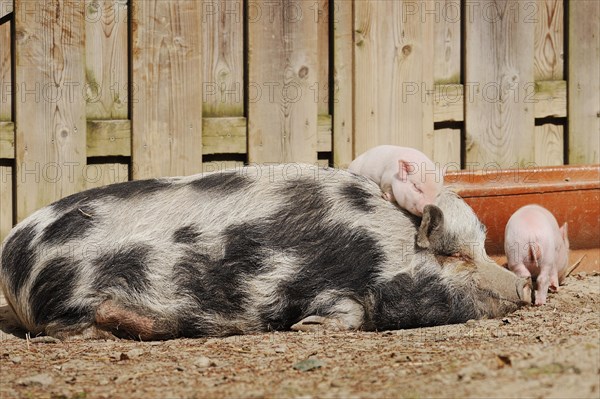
(345, 314)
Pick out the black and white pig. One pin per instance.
(255, 249)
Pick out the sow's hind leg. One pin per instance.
(112, 319)
(127, 322)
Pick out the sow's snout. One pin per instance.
(503, 292)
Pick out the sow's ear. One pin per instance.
(432, 226)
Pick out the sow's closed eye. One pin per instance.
(461, 256)
(452, 257)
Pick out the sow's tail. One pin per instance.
(534, 253)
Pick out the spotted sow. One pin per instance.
(255, 249)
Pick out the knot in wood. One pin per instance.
(406, 50)
(303, 72)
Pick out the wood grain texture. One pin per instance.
(7, 140)
(228, 135)
(6, 202)
(499, 115)
(223, 58)
(447, 51)
(98, 175)
(393, 75)
(167, 82)
(5, 72)
(549, 145)
(6, 7)
(343, 78)
(282, 111)
(448, 98)
(324, 143)
(446, 148)
(548, 41)
(224, 135)
(50, 114)
(321, 15)
(448, 103)
(550, 99)
(106, 63)
(584, 82)
(108, 138)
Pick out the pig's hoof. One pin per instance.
(315, 323)
(387, 197)
(540, 301)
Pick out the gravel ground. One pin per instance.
(543, 352)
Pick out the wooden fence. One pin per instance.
(100, 91)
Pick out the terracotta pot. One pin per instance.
(571, 193)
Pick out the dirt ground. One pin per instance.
(544, 352)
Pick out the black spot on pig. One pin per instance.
(125, 190)
(135, 188)
(51, 291)
(402, 301)
(215, 285)
(357, 197)
(186, 235)
(19, 256)
(225, 183)
(73, 224)
(331, 255)
(125, 268)
(347, 260)
(192, 326)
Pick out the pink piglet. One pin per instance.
(536, 247)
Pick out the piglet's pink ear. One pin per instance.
(564, 231)
(404, 170)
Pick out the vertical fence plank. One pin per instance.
(343, 90)
(282, 112)
(106, 73)
(6, 203)
(447, 51)
(499, 76)
(366, 70)
(394, 74)
(446, 148)
(167, 88)
(422, 72)
(447, 70)
(6, 175)
(106, 59)
(223, 58)
(5, 72)
(548, 145)
(50, 114)
(548, 40)
(584, 82)
(321, 15)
